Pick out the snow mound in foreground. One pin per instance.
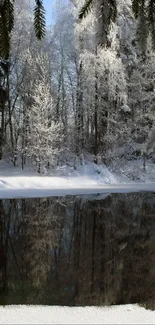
(125, 314)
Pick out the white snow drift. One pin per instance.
(86, 179)
(28, 187)
(125, 314)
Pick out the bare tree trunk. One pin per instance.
(96, 115)
(79, 123)
(4, 65)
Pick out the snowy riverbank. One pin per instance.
(125, 314)
(88, 178)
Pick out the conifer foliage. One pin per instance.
(7, 23)
(39, 19)
(85, 9)
(144, 11)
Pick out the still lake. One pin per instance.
(77, 251)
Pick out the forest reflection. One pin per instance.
(78, 250)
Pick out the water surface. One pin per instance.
(78, 250)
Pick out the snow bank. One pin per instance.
(125, 314)
(87, 179)
(30, 187)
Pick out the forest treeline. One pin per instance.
(87, 87)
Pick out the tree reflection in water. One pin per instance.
(78, 251)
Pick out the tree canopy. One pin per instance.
(144, 10)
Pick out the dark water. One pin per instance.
(78, 251)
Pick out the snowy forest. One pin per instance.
(67, 97)
(77, 161)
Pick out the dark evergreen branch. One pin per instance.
(6, 26)
(39, 19)
(85, 9)
(4, 33)
(113, 10)
(136, 7)
(151, 20)
(9, 14)
(142, 29)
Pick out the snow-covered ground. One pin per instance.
(88, 178)
(125, 314)
(133, 170)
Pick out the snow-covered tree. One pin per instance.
(45, 136)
